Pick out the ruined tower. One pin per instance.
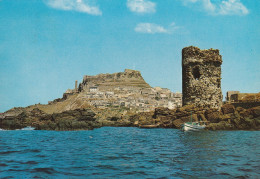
(201, 77)
(76, 86)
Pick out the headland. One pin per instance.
(126, 99)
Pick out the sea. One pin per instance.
(128, 152)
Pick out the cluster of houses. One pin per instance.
(140, 99)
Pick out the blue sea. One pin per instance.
(121, 152)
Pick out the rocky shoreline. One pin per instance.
(117, 99)
(228, 118)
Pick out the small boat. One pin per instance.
(28, 128)
(193, 126)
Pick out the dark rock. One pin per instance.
(177, 123)
(223, 125)
(226, 117)
(37, 112)
(113, 119)
(163, 112)
(47, 117)
(186, 108)
(213, 116)
(256, 111)
(227, 108)
(202, 117)
(84, 119)
(68, 120)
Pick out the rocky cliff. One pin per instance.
(228, 118)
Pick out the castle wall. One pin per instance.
(201, 77)
(130, 78)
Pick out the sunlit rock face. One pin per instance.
(201, 77)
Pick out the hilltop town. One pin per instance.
(124, 89)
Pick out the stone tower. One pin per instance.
(201, 77)
(76, 86)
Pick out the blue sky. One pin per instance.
(45, 45)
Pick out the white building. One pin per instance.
(93, 89)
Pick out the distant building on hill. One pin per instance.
(236, 96)
(229, 94)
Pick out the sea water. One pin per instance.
(120, 152)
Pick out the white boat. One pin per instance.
(193, 126)
(28, 128)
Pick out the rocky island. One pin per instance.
(125, 99)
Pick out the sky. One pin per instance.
(45, 45)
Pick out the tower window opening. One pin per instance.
(196, 73)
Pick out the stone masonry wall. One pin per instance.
(201, 77)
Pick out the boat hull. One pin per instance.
(193, 127)
(28, 128)
(148, 126)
